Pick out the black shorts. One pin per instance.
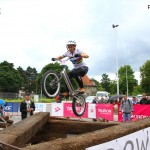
(81, 71)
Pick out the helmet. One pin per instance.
(71, 43)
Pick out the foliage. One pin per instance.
(98, 85)
(105, 82)
(137, 90)
(113, 88)
(10, 79)
(41, 100)
(29, 78)
(145, 77)
(126, 78)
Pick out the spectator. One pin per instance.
(144, 99)
(148, 99)
(127, 108)
(58, 99)
(134, 100)
(27, 107)
(95, 101)
(119, 101)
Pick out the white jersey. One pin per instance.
(77, 61)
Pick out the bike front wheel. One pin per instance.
(50, 84)
(79, 105)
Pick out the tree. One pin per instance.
(29, 78)
(137, 90)
(113, 87)
(98, 85)
(105, 82)
(10, 79)
(126, 77)
(24, 77)
(145, 77)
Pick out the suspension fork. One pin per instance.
(68, 82)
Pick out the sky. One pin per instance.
(34, 31)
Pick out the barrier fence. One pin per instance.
(105, 111)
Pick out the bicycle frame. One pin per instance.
(67, 81)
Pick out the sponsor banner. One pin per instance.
(68, 112)
(91, 110)
(15, 107)
(40, 107)
(56, 109)
(136, 141)
(105, 111)
(140, 112)
(12, 107)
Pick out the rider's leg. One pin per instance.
(77, 73)
(73, 74)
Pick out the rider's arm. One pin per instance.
(59, 57)
(84, 55)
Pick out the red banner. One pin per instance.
(105, 111)
(140, 112)
(68, 112)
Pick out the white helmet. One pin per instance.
(71, 43)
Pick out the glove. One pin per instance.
(53, 59)
(77, 55)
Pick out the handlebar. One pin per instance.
(75, 56)
(62, 60)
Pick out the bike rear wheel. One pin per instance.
(50, 84)
(79, 105)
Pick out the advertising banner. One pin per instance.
(40, 107)
(68, 112)
(92, 111)
(140, 112)
(136, 141)
(12, 107)
(105, 111)
(56, 109)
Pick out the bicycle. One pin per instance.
(51, 88)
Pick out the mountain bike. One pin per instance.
(51, 84)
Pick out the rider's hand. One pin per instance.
(53, 59)
(77, 55)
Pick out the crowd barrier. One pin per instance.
(105, 111)
(140, 112)
(92, 110)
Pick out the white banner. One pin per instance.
(56, 109)
(91, 111)
(40, 107)
(139, 140)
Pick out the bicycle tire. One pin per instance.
(79, 101)
(50, 84)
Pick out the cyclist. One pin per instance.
(76, 57)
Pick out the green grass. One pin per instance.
(41, 100)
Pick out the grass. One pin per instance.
(41, 100)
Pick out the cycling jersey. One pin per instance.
(77, 61)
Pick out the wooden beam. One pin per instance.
(21, 133)
(60, 128)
